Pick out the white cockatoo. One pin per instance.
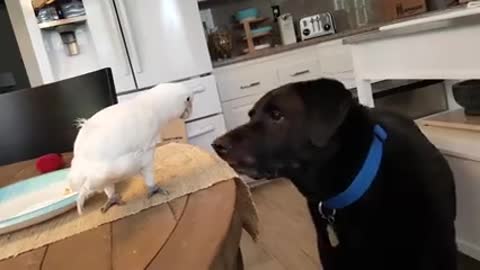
(119, 142)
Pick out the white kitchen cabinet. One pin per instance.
(297, 65)
(336, 62)
(236, 111)
(202, 132)
(246, 80)
(299, 71)
(461, 148)
(206, 101)
(335, 58)
(241, 85)
(165, 39)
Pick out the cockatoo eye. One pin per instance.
(188, 99)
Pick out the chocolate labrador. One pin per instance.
(381, 196)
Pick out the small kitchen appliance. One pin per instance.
(287, 29)
(317, 25)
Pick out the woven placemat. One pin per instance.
(179, 168)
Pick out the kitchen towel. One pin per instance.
(179, 168)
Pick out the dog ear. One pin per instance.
(327, 103)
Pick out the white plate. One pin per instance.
(34, 200)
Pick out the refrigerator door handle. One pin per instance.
(134, 56)
(109, 8)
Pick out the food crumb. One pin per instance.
(67, 191)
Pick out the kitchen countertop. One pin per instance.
(361, 34)
(301, 44)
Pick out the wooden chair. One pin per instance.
(7, 82)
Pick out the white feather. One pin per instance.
(118, 141)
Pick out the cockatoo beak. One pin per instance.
(188, 109)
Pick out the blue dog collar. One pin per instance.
(362, 181)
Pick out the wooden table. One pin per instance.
(197, 231)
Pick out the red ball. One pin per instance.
(49, 163)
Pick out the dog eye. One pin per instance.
(251, 113)
(276, 115)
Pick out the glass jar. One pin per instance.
(365, 12)
(346, 7)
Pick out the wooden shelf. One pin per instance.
(249, 36)
(253, 21)
(453, 119)
(460, 143)
(55, 23)
(259, 35)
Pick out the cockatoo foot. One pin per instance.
(156, 189)
(114, 200)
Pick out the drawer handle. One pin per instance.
(199, 89)
(300, 73)
(201, 131)
(250, 85)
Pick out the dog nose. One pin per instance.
(221, 146)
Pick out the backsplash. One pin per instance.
(222, 12)
(347, 15)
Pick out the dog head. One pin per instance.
(286, 127)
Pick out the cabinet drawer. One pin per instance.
(206, 101)
(236, 111)
(335, 59)
(300, 71)
(202, 132)
(246, 80)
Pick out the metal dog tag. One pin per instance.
(332, 236)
